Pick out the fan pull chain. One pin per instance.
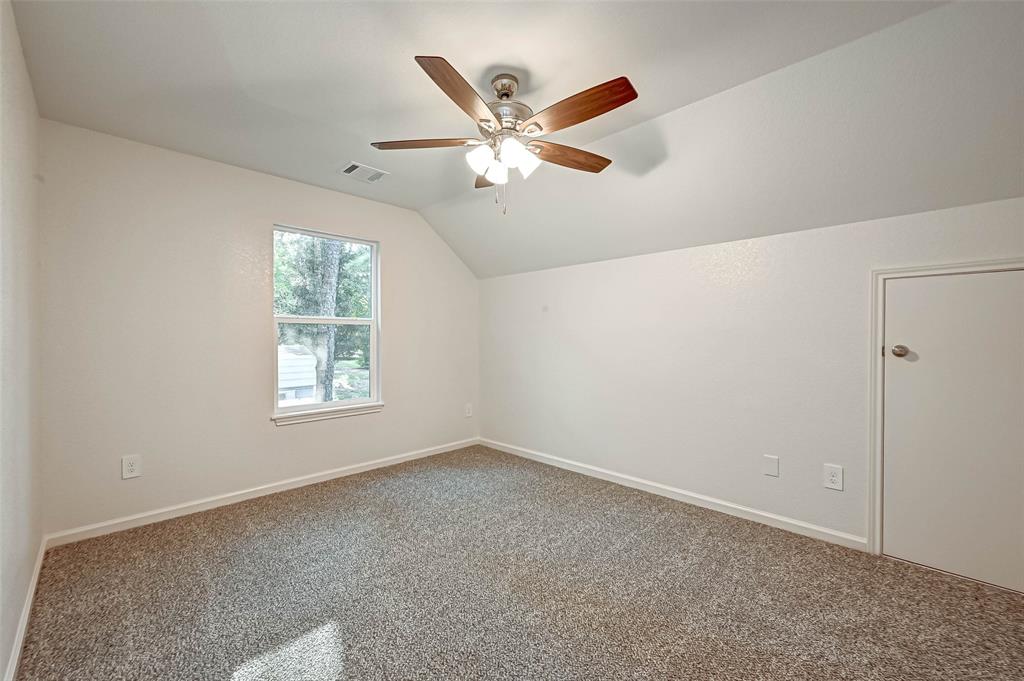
(501, 196)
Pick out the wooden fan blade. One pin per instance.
(426, 144)
(482, 182)
(570, 157)
(582, 106)
(460, 92)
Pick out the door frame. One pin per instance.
(877, 389)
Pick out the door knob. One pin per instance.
(900, 350)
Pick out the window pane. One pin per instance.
(321, 277)
(318, 363)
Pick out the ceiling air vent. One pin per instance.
(364, 173)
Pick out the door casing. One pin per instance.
(877, 389)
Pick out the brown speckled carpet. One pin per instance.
(481, 565)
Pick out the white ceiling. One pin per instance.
(753, 118)
(300, 89)
(924, 115)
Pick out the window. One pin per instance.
(325, 319)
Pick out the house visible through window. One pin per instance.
(326, 319)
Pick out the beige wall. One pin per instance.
(158, 340)
(686, 367)
(19, 506)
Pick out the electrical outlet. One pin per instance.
(469, 409)
(833, 476)
(770, 465)
(131, 466)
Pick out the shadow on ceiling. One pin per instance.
(639, 150)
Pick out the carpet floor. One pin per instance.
(480, 565)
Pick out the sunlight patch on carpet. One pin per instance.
(312, 657)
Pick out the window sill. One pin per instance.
(288, 418)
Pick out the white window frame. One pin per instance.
(328, 410)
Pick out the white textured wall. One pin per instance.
(685, 367)
(158, 340)
(19, 506)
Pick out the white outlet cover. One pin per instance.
(833, 476)
(469, 409)
(131, 466)
(770, 465)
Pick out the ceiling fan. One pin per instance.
(509, 129)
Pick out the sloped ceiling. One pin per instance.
(753, 117)
(923, 115)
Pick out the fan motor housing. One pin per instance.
(506, 108)
(510, 112)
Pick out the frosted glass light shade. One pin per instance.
(512, 152)
(479, 158)
(497, 172)
(528, 163)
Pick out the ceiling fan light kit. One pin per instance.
(480, 158)
(497, 172)
(512, 151)
(508, 127)
(528, 163)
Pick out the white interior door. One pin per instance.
(953, 439)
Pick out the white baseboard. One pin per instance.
(155, 516)
(773, 519)
(26, 610)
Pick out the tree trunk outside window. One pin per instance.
(331, 252)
